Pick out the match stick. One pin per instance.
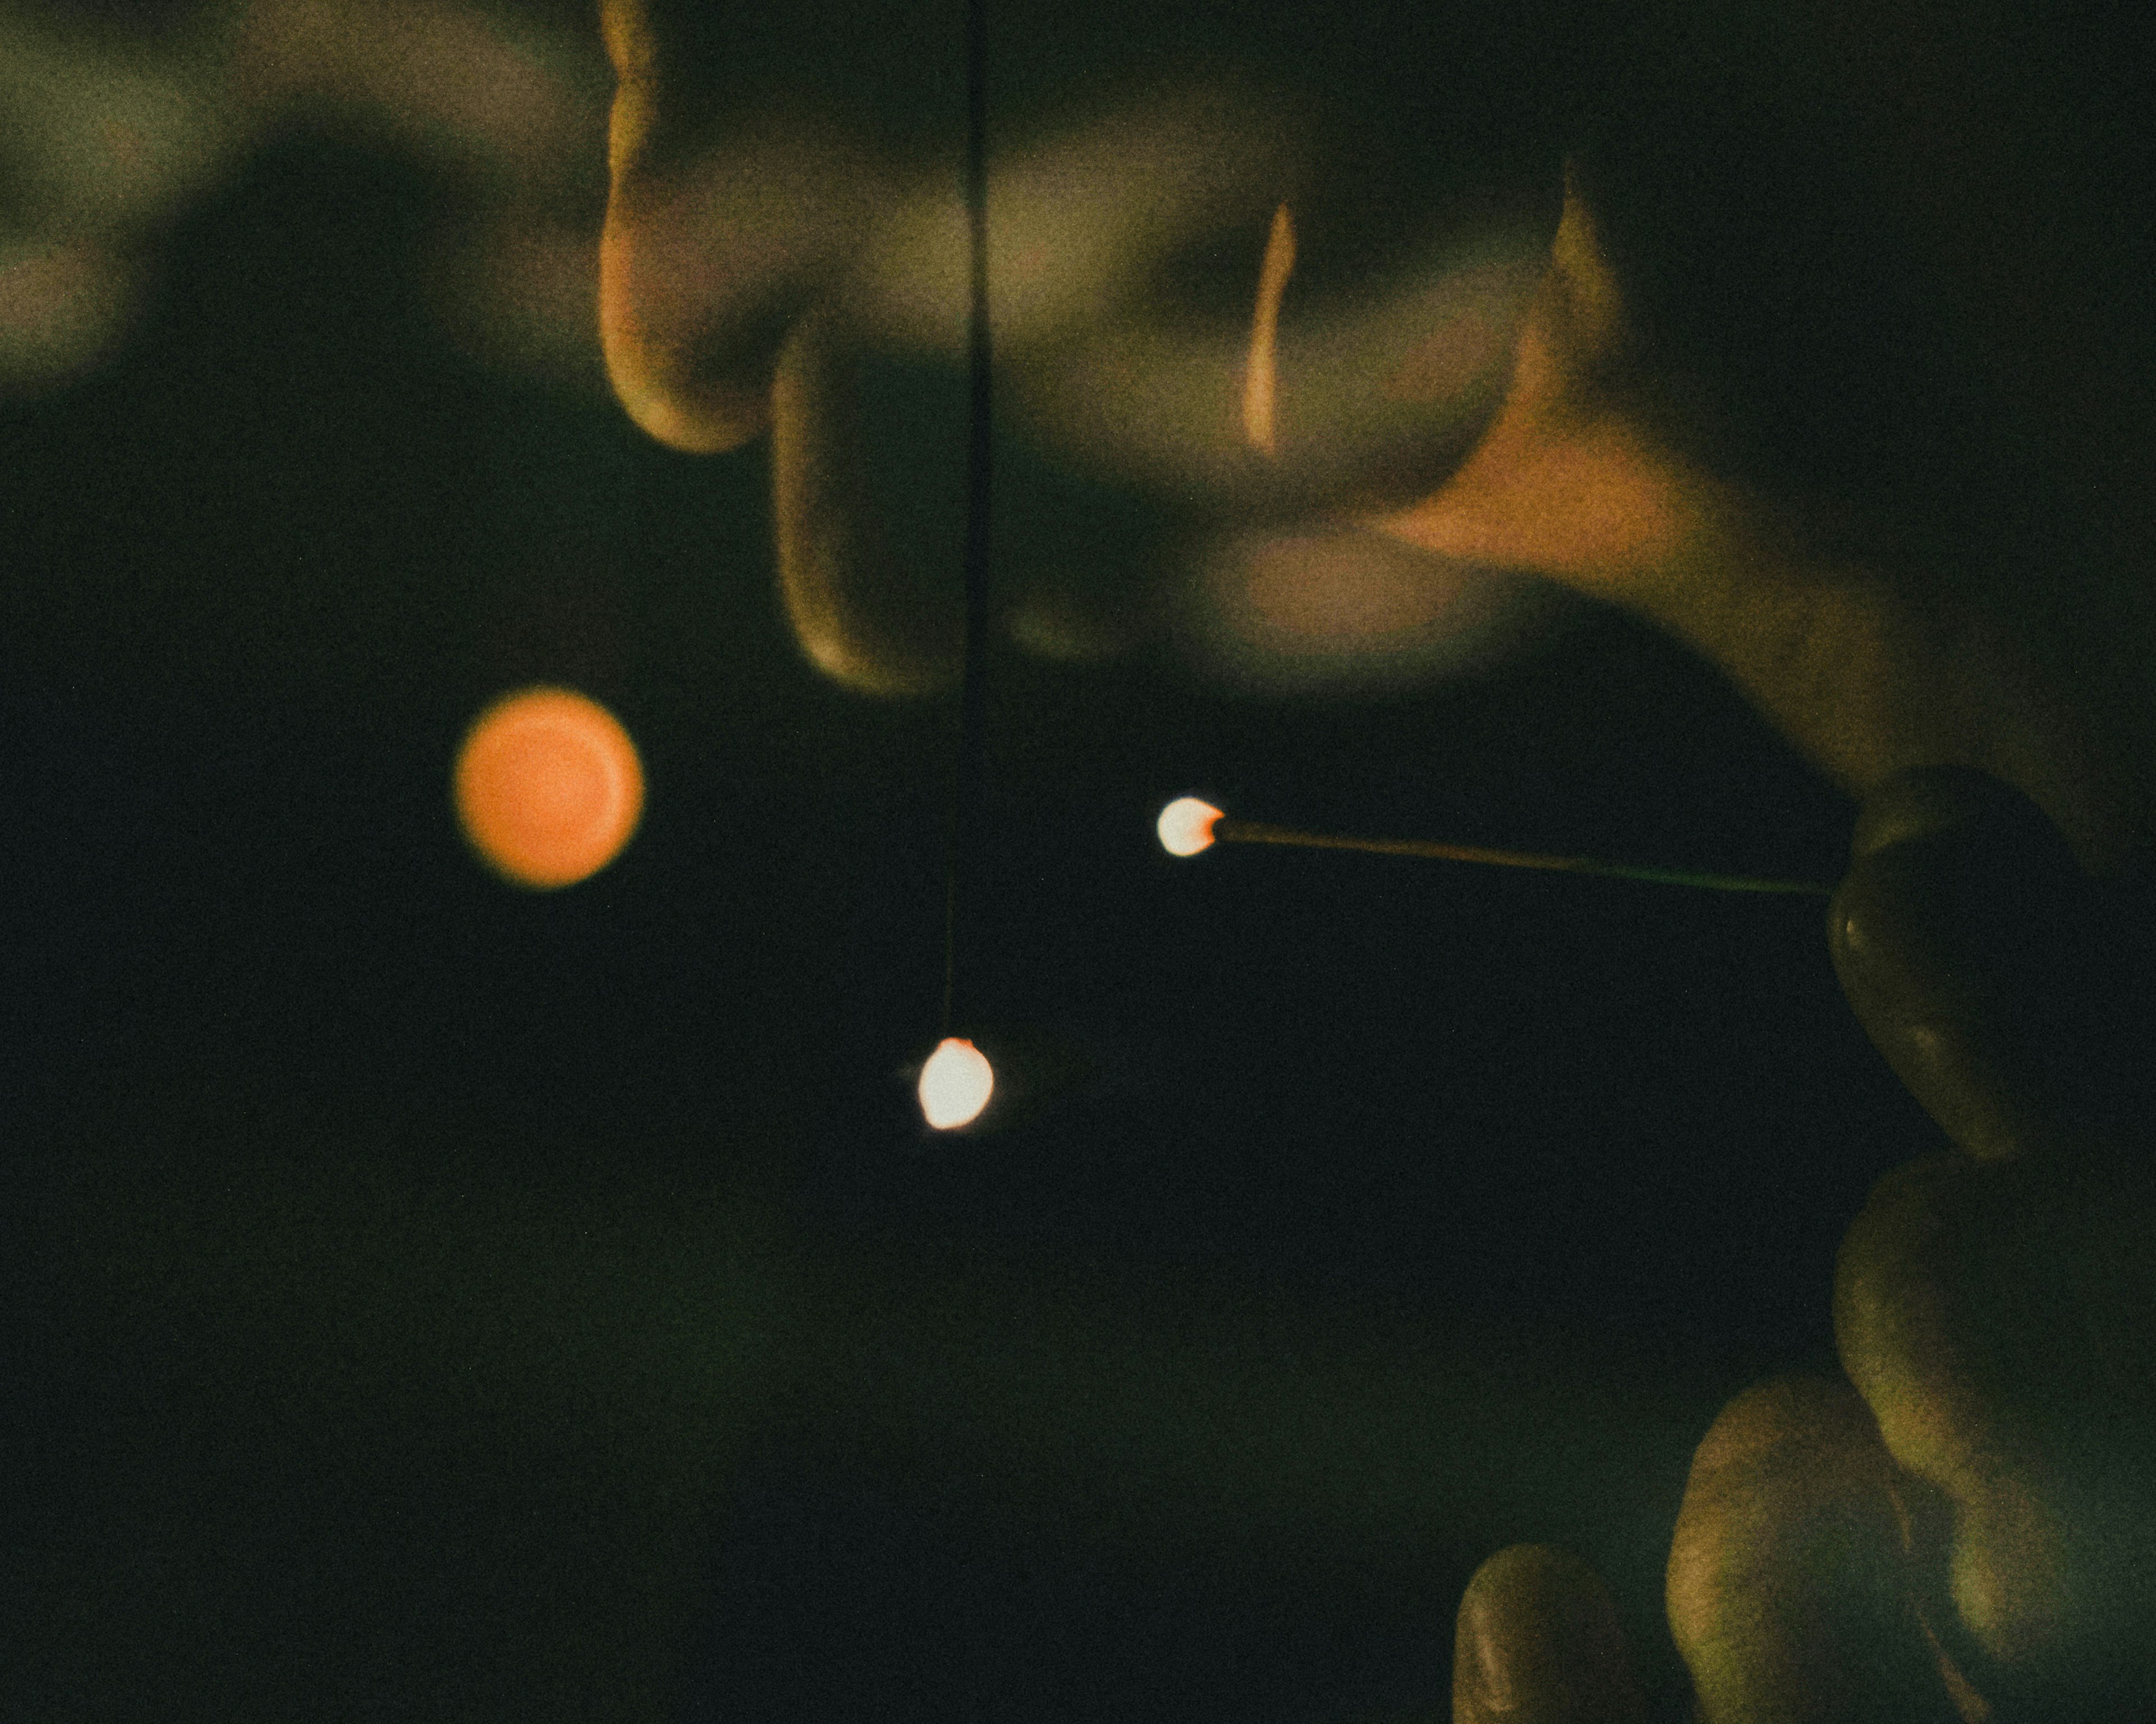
(1187, 826)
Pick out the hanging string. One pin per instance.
(967, 788)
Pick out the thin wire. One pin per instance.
(1256, 832)
(972, 702)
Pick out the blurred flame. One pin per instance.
(1186, 826)
(549, 788)
(1260, 375)
(955, 1084)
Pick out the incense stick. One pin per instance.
(956, 1079)
(972, 697)
(1187, 826)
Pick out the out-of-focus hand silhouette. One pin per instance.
(786, 250)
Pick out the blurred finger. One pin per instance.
(1377, 388)
(2000, 1322)
(705, 262)
(1537, 1643)
(1963, 935)
(870, 521)
(1787, 1591)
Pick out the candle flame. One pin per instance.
(1186, 826)
(955, 1084)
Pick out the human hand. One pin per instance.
(1968, 1524)
(785, 251)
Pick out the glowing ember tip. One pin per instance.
(1186, 826)
(955, 1084)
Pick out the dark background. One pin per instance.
(433, 1300)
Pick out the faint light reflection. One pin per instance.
(1261, 373)
(955, 1084)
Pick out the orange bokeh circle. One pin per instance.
(548, 787)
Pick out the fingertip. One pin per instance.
(867, 567)
(1537, 1642)
(662, 372)
(1955, 880)
(1786, 1589)
(1959, 927)
(717, 240)
(1896, 950)
(1923, 802)
(714, 423)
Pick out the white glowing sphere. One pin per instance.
(1186, 826)
(955, 1084)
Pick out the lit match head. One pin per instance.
(1186, 826)
(955, 1084)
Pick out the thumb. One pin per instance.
(1966, 938)
(1537, 1643)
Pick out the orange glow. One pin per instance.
(1186, 826)
(955, 1084)
(549, 788)
(1562, 484)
